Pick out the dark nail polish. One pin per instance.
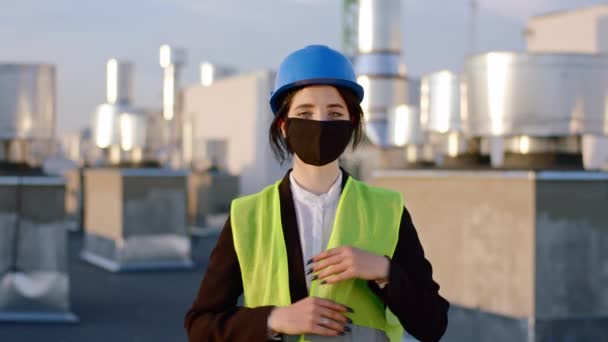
(315, 278)
(350, 321)
(323, 282)
(309, 271)
(350, 310)
(309, 262)
(341, 333)
(347, 329)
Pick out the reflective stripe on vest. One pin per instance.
(367, 218)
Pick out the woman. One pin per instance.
(317, 255)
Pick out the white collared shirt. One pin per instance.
(315, 215)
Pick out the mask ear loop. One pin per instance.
(280, 123)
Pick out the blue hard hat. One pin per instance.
(314, 65)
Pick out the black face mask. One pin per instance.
(317, 142)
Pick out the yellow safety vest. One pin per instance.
(367, 218)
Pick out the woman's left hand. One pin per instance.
(348, 263)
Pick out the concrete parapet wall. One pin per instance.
(520, 251)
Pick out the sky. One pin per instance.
(79, 36)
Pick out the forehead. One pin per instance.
(317, 95)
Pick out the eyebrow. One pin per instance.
(308, 106)
(304, 106)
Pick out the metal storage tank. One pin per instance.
(133, 128)
(526, 104)
(580, 30)
(443, 110)
(119, 128)
(106, 125)
(34, 280)
(405, 132)
(440, 102)
(27, 109)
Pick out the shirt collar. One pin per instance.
(301, 194)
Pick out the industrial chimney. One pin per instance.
(390, 105)
(379, 67)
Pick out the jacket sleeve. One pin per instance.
(214, 315)
(412, 294)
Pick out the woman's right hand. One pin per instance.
(310, 315)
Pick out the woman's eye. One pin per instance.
(336, 114)
(304, 114)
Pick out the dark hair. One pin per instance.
(277, 141)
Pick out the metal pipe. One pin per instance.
(440, 99)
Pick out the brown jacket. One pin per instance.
(411, 294)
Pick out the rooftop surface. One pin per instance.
(121, 307)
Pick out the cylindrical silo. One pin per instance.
(27, 110)
(133, 131)
(527, 107)
(106, 129)
(443, 114)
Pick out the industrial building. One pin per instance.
(239, 141)
(583, 30)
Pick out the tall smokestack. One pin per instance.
(379, 67)
(171, 60)
(119, 82)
